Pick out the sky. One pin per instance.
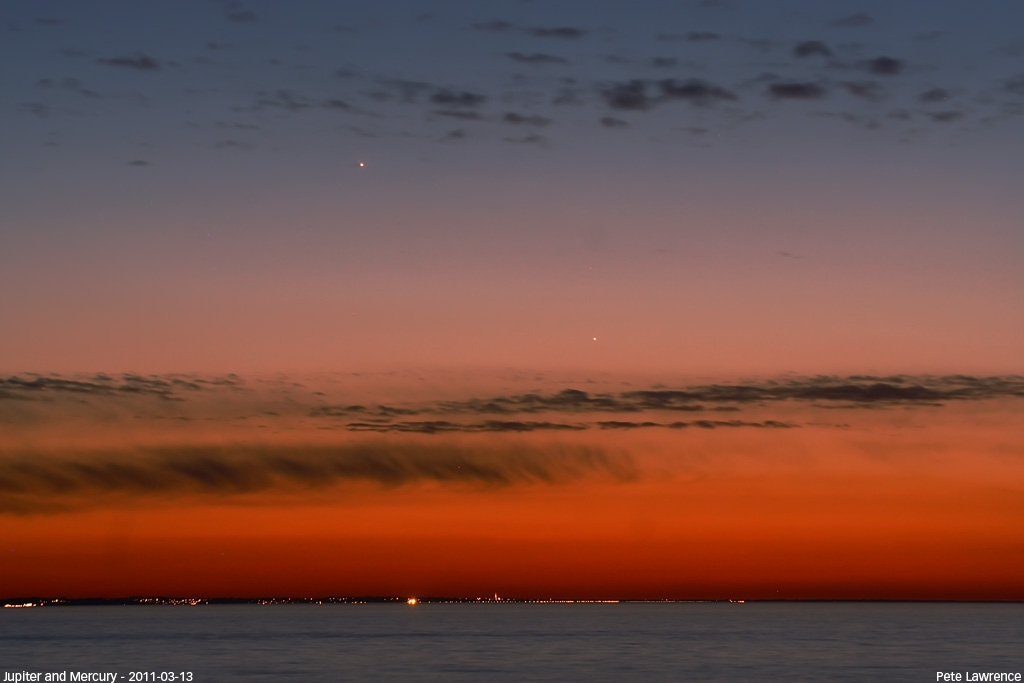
(700, 298)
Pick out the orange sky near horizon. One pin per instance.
(896, 503)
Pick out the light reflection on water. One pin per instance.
(514, 642)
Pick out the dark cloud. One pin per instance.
(631, 96)
(795, 91)
(497, 426)
(760, 44)
(454, 135)
(444, 426)
(621, 424)
(34, 482)
(496, 26)
(694, 91)
(867, 90)
(856, 389)
(49, 21)
(689, 399)
(535, 58)
(702, 424)
(403, 90)
(525, 119)
(567, 95)
(163, 386)
(812, 48)
(232, 144)
(664, 62)
(340, 105)
(884, 66)
(934, 95)
(139, 162)
(338, 411)
(459, 114)
(140, 62)
(283, 99)
(567, 400)
(37, 109)
(946, 116)
(451, 98)
(1015, 86)
(532, 139)
(383, 411)
(557, 32)
(853, 20)
(72, 84)
(612, 122)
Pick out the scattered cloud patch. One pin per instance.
(630, 96)
(454, 135)
(890, 390)
(496, 26)
(444, 426)
(140, 62)
(1015, 86)
(866, 90)
(167, 387)
(459, 114)
(694, 91)
(702, 424)
(566, 32)
(934, 95)
(812, 48)
(532, 139)
(884, 66)
(535, 58)
(451, 98)
(795, 91)
(283, 99)
(525, 119)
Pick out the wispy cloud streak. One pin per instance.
(33, 482)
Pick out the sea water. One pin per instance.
(517, 642)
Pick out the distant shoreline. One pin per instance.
(162, 601)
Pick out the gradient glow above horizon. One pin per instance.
(419, 205)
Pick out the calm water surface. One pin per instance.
(587, 642)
